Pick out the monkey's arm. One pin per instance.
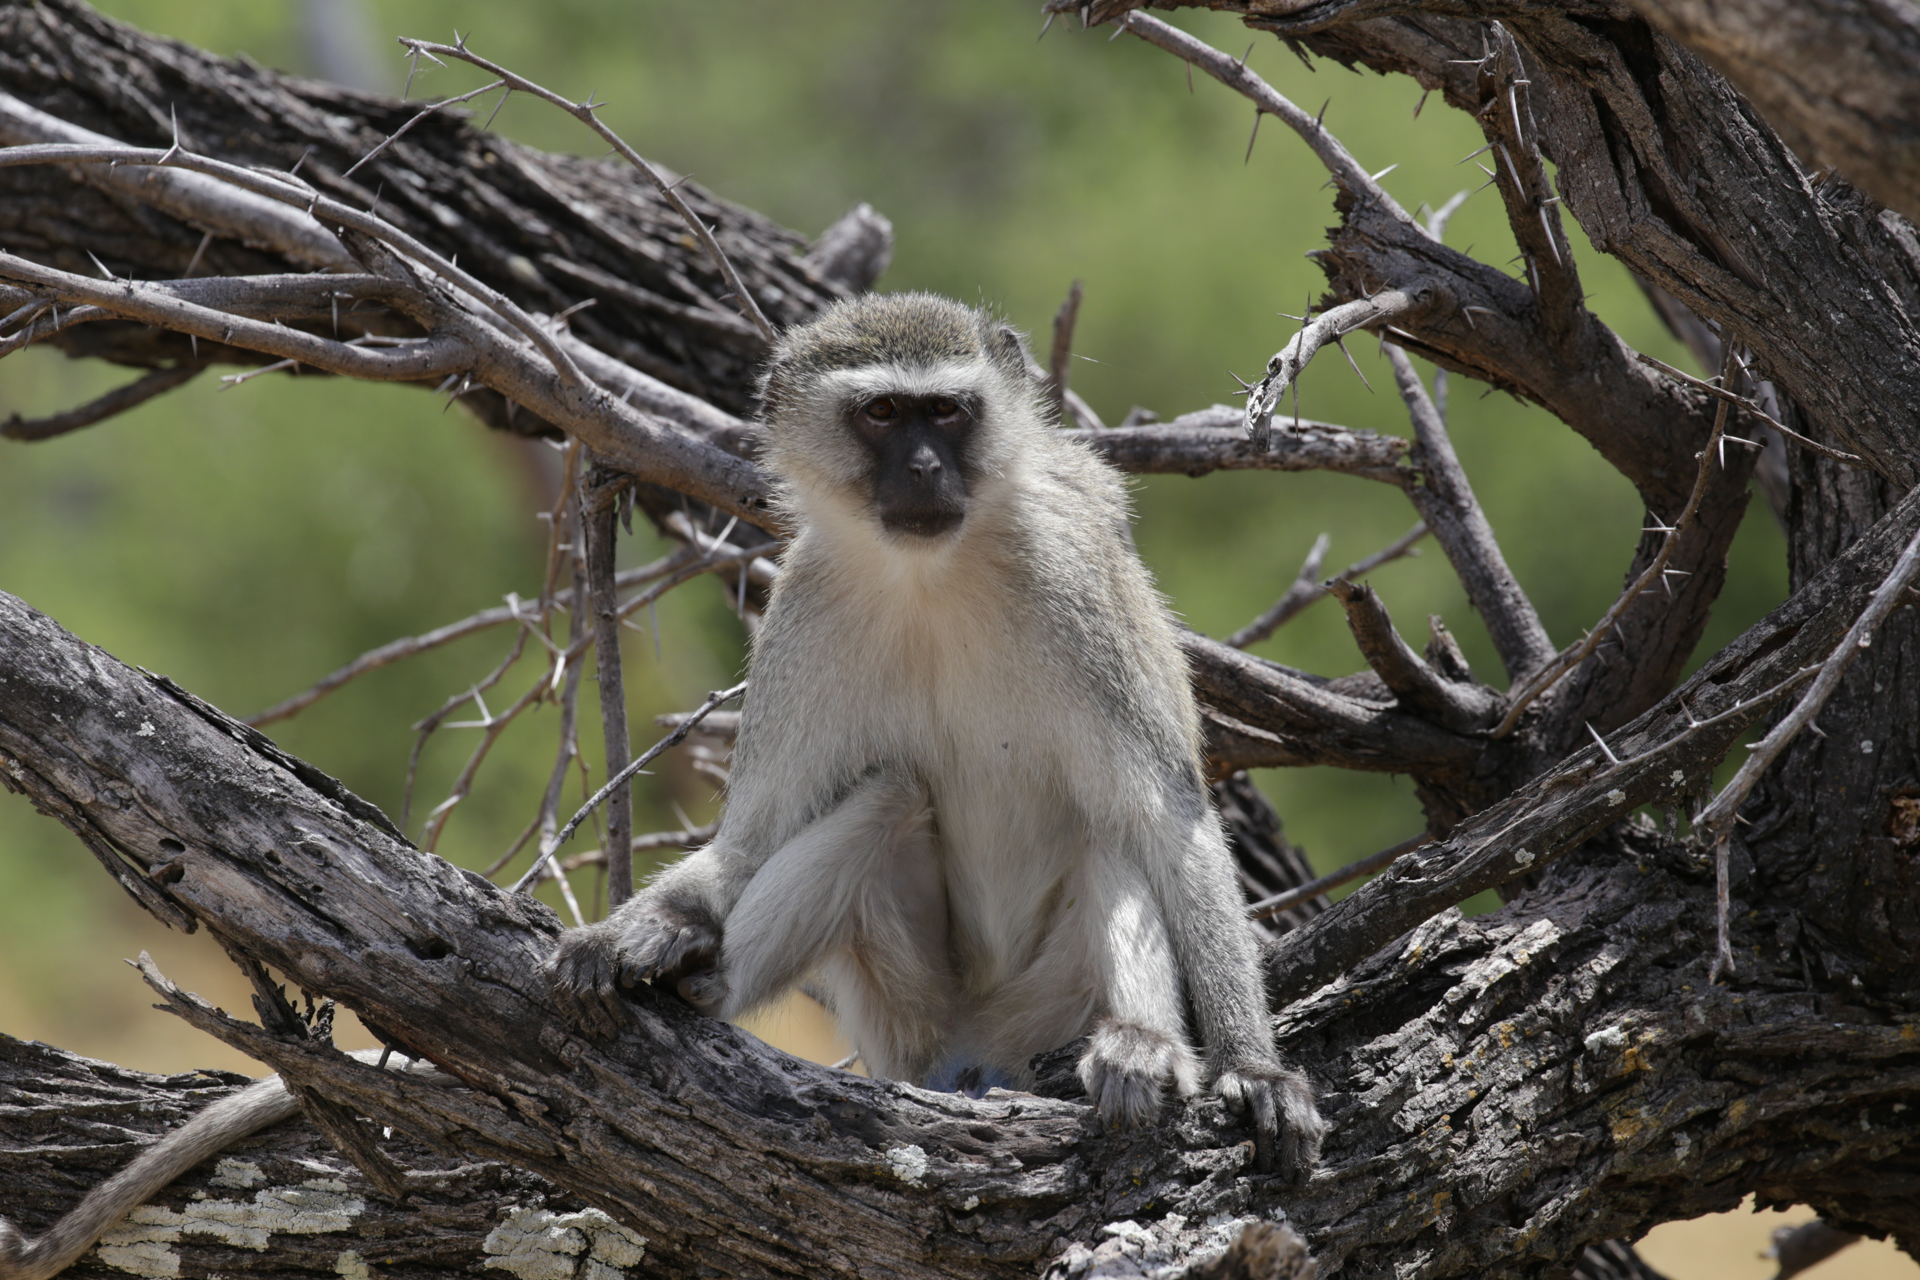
(862, 869)
(1192, 872)
(212, 1131)
(671, 928)
(732, 931)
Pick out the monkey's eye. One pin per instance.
(945, 408)
(881, 410)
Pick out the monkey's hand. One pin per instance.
(646, 942)
(1287, 1127)
(1127, 1069)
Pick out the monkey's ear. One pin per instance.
(1006, 348)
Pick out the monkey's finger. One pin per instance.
(1266, 1124)
(582, 984)
(642, 962)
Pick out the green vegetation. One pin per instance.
(246, 542)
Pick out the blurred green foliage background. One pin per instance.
(246, 542)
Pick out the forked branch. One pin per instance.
(1307, 586)
(1573, 655)
(1460, 706)
(1445, 501)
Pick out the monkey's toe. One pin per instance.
(1127, 1069)
(1287, 1128)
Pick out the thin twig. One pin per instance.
(1366, 866)
(1233, 73)
(678, 736)
(515, 610)
(1307, 586)
(1573, 655)
(1062, 355)
(652, 842)
(600, 517)
(397, 134)
(493, 727)
(1753, 407)
(585, 112)
(547, 819)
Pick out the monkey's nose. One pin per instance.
(924, 464)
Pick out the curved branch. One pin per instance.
(118, 400)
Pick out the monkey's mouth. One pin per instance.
(922, 522)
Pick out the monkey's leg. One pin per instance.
(863, 877)
(892, 986)
(1139, 1047)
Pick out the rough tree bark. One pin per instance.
(1505, 1091)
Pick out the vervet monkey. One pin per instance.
(966, 802)
(211, 1131)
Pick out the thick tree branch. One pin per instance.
(1208, 440)
(1836, 80)
(1669, 169)
(1259, 714)
(724, 1153)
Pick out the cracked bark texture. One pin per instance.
(282, 1201)
(1834, 79)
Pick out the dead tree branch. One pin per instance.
(1463, 707)
(1446, 503)
(1834, 80)
(669, 191)
(119, 400)
(1670, 537)
(654, 1127)
(1660, 758)
(1307, 587)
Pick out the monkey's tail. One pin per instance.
(221, 1125)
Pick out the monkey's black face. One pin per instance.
(920, 460)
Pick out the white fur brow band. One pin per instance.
(949, 377)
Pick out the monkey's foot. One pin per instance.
(1127, 1068)
(1287, 1127)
